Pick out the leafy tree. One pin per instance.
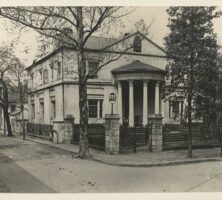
(17, 71)
(219, 101)
(73, 26)
(7, 60)
(192, 51)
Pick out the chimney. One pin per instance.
(57, 42)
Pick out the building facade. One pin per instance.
(136, 78)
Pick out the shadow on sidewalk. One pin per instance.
(15, 179)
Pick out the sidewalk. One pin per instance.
(142, 159)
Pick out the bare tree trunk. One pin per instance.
(7, 120)
(23, 124)
(189, 126)
(21, 96)
(83, 139)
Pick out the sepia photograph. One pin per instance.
(110, 99)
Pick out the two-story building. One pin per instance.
(135, 77)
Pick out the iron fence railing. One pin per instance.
(96, 135)
(42, 130)
(133, 138)
(176, 135)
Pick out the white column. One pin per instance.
(157, 98)
(145, 103)
(120, 106)
(131, 104)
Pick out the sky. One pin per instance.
(158, 30)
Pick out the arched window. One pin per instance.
(137, 44)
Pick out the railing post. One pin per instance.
(68, 129)
(58, 127)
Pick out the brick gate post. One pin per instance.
(112, 133)
(155, 122)
(68, 129)
(58, 132)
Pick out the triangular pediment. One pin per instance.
(126, 45)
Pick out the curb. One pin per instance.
(174, 163)
(56, 147)
(163, 164)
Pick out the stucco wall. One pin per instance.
(97, 88)
(37, 81)
(94, 92)
(71, 99)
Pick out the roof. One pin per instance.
(95, 42)
(138, 66)
(133, 34)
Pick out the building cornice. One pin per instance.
(70, 82)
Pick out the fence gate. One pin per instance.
(134, 138)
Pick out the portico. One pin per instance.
(138, 86)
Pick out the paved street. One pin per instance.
(31, 167)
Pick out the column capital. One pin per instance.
(145, 82)
(130, 83)
(157, 82)
(119, 83)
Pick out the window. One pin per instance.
(59, 72)
(175, 106)
(32, 80)
(137, 44)
(33, 109)
(92, 67)
(45, 76)
(100, 108)
(53, 108)
(92, 108)
(95, 108)
(52, 71)
(41, 75)
(41, 106)
(13, 107)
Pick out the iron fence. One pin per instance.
(41, 130)
(133, 138)
(96, 135)
(176, 136)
